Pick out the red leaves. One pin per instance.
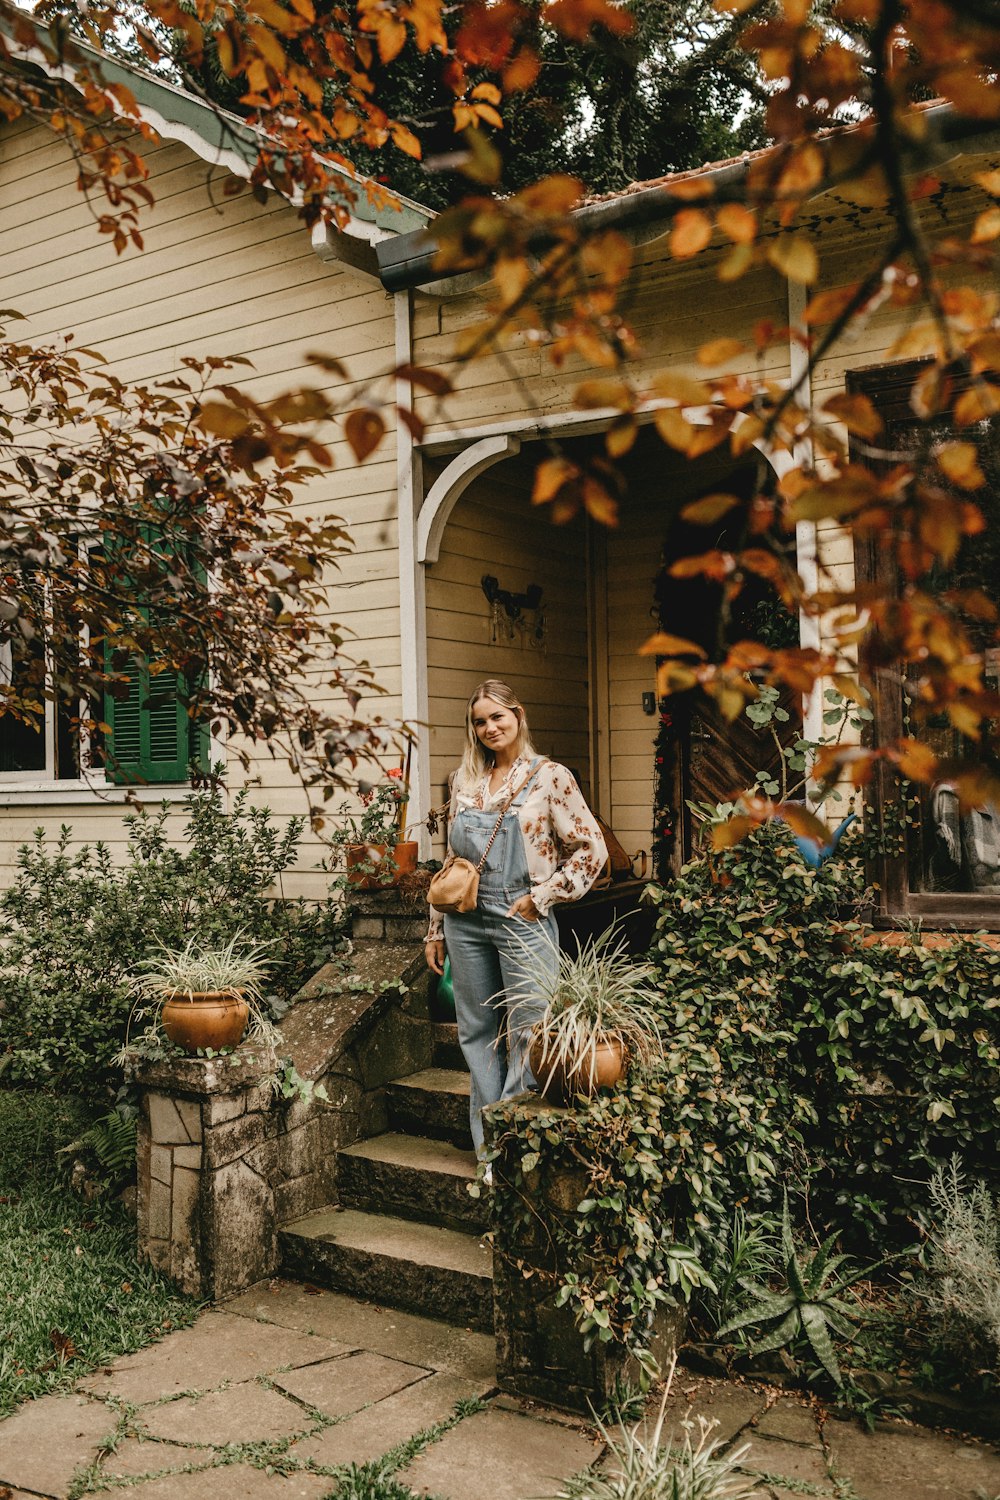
(364, 430)
(721, 351)
(691, 232)
(664, 644)
(222, 421)
(550, 477)
(857, 413)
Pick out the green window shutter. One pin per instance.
(150, 736)
(153, 738)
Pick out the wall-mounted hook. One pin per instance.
(512, 604)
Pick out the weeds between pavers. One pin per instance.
(370, 1481)
(73, 1293)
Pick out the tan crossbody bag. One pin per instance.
(455, 887)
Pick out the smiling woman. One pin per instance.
(522, 822)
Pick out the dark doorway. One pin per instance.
(717, 759)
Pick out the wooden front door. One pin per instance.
(719, 760)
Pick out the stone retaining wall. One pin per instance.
(223, 1160)
(540, 1354)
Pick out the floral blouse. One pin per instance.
(564, 847)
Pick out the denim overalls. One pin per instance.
(496, 960)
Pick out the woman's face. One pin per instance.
(495, 726)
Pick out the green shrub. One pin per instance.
(662, 1158)
(794, 1054)
(76, 925)
(875, 1063)
(962, 1290)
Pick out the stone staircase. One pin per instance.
(405, 1232)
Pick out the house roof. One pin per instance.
(408, 261)
(223, 139)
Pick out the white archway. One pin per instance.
(451, 484)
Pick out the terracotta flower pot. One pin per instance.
(215, 1019)
(560, 1086)
(365, 861)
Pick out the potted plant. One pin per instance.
(208, 997)
(600, 1017)
(375, 850)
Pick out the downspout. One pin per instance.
(412, 588)
(806, 538)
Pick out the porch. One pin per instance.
(560, 612)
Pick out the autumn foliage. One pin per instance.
(847, 88)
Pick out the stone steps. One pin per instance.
(421, 1178)
(447, 1053)
(434, 1102)
(425, 1255)
(423, 1268)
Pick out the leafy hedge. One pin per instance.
(656, 1166)
(76, 924)
(796, 1056)
(874, 1062)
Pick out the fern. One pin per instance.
(111, 1139)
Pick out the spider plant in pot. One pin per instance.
(600, 1018)
(209, 997)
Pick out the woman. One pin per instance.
(547, 848)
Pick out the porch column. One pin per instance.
(412, 592)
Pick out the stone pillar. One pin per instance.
(540, 1354)
(206, 1170)
(222, 1163)
(392, 915)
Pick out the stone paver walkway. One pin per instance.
(278, 1394)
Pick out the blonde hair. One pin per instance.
(477, 759)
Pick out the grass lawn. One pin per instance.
(73, 1292)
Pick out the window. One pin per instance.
(147, 735)
(938, 864)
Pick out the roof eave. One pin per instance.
(408, 261)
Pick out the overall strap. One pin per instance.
(514, 797)
(536, 766)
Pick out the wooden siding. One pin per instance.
(493, 529)
(225, 276)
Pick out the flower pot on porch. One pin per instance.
(372, 866)
(210, 1019)
(600, 1068)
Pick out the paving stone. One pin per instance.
(339, 1386)
(728, 1405)
(218, 1348)
(243, 1414)
(791, 1420)
(134, 1457)
(46, 1440)
(241, 1481)
(789, 1461)
(499, 1455)
(394, 1420)
(362, 1325)
(912, 1462)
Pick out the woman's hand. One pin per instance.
(525, 908)
(434, 954)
